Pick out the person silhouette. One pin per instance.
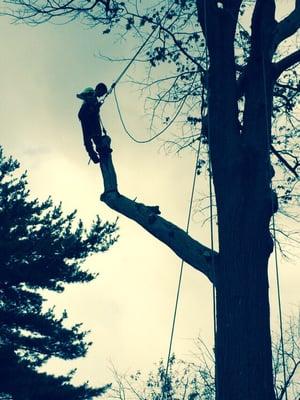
(89, 118)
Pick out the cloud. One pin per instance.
(36, 151)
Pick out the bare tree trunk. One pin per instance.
(243, 342)
(241, 173)
(243, 345)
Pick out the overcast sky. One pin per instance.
(129, 306)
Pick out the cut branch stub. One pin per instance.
(108, 171)
(187, 248)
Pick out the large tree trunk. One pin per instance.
(243, 342)
(241, 172)
(243, 348)
(242, 175)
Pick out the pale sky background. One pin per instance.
(129, 307)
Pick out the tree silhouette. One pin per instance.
(40, 249)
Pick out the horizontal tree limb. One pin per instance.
(188, 249)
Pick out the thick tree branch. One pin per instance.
(285, 63)
(187, 248)
(288, 26)
(262, 26)
(206, 14)
(277, 69)
(209, 12)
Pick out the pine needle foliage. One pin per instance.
(40, 248)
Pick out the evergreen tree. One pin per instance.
(40, 249)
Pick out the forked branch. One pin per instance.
(288, 26)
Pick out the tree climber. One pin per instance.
(90, 119)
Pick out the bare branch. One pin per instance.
(187, 248)
(290, 377)
(33, 12)
(293, 170)
(173, 37)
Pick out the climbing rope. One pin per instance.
(181, 269)
(123, 72)
(113, 89)
(187, 230)
(158, 24)
(158, 133)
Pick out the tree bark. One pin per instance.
(243, 343)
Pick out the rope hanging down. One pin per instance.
(187, 229)
(181, 268)
(157, 134)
